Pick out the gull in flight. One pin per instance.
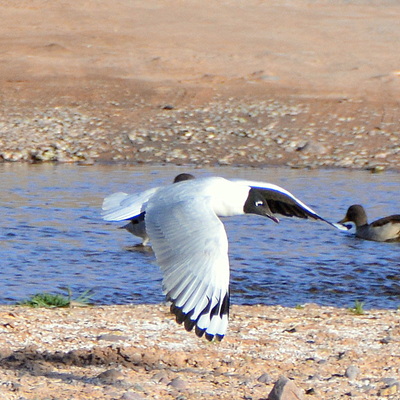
(190, 243)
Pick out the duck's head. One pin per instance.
(356, 214)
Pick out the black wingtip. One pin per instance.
(189, 324)
(187, 321)
(180, 316)
(199, 332)
(209, 337)
(218, 338)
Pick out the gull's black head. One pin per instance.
(256, 204)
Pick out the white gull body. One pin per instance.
(190, 242)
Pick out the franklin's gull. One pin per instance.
(190, 242)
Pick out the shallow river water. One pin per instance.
(52, 236)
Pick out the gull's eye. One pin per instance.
(259, 203)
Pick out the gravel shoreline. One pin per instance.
(226, 130)
(139, 352)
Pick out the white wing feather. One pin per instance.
(120, 206)
(191, 247)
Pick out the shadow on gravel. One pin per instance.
(39, 363)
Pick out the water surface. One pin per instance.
(52, 236)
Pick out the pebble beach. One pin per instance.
(302, 84)
(139, 352)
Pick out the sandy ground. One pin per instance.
(139, 352)
(299, 83)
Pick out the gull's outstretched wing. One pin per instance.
(191, 247)
(120, 206)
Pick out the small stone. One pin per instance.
(386, 340)
(265, 378)
(377, 169)
(178, 384)
(110, 376)
(351, 372)
(388, 391)
(390, 381)
(160, 377)
(131, 396)
(112, 338)
(285, 389)
(138, 387)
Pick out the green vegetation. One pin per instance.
(358, 308)
(57, 300)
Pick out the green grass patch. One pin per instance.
(358, 308)
(49, 300)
